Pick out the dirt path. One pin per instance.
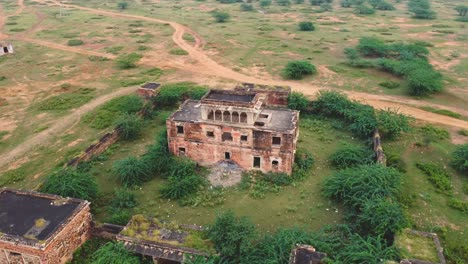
(62, 124)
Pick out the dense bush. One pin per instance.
(123, 199)
(119, 216)
(183, 179)
(232, 236)
(221, 16)
(114, 253)
(296, 70)
(265, 3)
(351, 156)
(437, 176)
(129, 126)
(283, 2)
(171, 94)
(462, 10)
(424, 81)
(298, 101)
(381, 217)
(246, 7)
(131, 171)
(364, 9)
(332, 104)
(320, 2)
(354, 186)
(421, 9)
(122, 5)
(391, 123)
(306, 26)
(460, 159)
(127, 61)
(75, 42)
(70, 183)
(303, 159)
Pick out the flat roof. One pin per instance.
(229, 96)
(32, 215)
(281, 119)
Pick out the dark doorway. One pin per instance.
(256, 162)
(5, 49)
(227, 155)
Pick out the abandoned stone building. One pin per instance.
(37, 228)
(5, 48)
(251, 128)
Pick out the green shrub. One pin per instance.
(246, 7)
(421, 9)
(2, 78)
(181, 186)
(221, 16)
(70, 183)
(460, 159)
(129, 126)
(433, 133)
(351, 156)
(306, 26)
(265, 3)
(304, 159)
(364, 9)
(424, 81)
(395, 161)
(437, 176)
(123, 199)
(114, 253)
(354, 186)
(382, 217)
(283, 2)
(458, 205)
(332, 104)
(296, 70)
(391, 123)
(298, 101)
(75, 42)
(122, 5)
(131, 171)
(178, 51)
(64, 101)
(119, 217)
(362, 120)
(127, 61)
(171, 94)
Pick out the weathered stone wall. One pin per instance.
(206, 150)
(58, 250)
(96, 148)
(378, 149)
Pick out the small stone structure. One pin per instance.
(276, 96)
(37, 228)
(148, 90)
(305, 254)
(378, 149)
(5, 48)
(238, 126)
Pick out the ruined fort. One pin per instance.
(250, 126)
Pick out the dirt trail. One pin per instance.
(205, 66)
(62, 124)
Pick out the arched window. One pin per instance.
(243, 117)
(218, 115)
(226, 116)
(235, 117)
(211, 115)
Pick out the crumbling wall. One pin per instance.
(97, 148)
(378, 149)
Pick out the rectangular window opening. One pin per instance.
(226, 136)
(182, 151)
(243, 138)
(210, 134)
(276, 140)
(275, 163)
(256, 162)
(227, 155)
(263, 116)
(180, 129)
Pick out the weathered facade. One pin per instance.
(37, 228)
(5, 48)
(239, 126)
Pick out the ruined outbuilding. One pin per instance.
(305, 254)
(250, 127)
(5, 48)
(37, 228)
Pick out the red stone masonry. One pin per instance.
(59, 246)
(253, 136)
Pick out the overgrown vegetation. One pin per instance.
(460, 159)
(351, 156)
(405, 60)
(71, 183)
(296, 70)
(172, 94)
(128, 61)
(421, 9)
(67, 100)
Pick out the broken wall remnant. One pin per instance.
(37, 228)
(236, 126)
(378, 149)
(6, 48)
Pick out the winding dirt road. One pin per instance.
(204, 66)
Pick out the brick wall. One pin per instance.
(195, 144)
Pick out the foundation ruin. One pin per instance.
(5, 48)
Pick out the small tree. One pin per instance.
(122, 5)
(265, 3)
(296, 70)
(283, 2)
(462, 10)
(326, 7)
(114, 253)
(70, 183)
(221, 16)
(298, 101)
(306, 26)
(421, 9)
(131, 171)
(127, 61)
(392, 124)
(364, 9)
(232, 236)
(460, 159)
(129, 126)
